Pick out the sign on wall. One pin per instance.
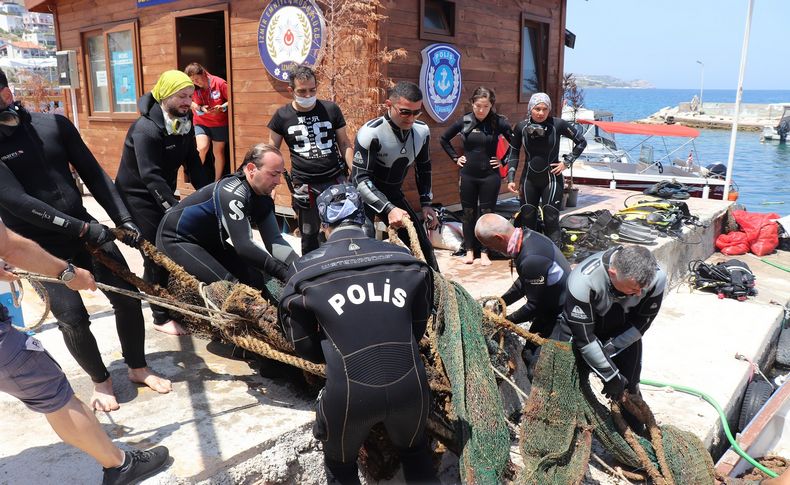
(290, 32)
(151, 3)
(440, 80)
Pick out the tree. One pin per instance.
(573, 95)
(350, 71)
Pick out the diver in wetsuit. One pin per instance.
(542, 275)
(157, 144)
(541, 180)
(384, 149)
(361, 306)
(613, 297)
(194, 233)
(480, 180)
(40, 201)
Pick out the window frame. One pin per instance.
(429, 34)
(104, 30)
(540, 25)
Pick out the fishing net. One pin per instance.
(466, 416)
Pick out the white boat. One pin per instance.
(767, 433)
(604, 163)
(781, 131)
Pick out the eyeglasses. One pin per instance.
(405, 113)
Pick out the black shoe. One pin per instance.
(138, 466)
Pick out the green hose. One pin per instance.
(775, 265)
(724, 424)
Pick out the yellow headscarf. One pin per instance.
(169, 83)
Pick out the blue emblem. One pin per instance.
(440, 80)
(290, 33)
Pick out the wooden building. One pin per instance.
(513, 46)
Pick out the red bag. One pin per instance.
(502, 149)
(760, 229)
(733, 243)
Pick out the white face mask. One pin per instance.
(305, 102)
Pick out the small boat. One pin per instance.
(781, 131)
(767, 433)
(604, 163)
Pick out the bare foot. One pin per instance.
(143, 375)
(103, 398)
(172, 327)
(484, 261)
(469, 258)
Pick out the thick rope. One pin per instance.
(639, 408)
(633, 442)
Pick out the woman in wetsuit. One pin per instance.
(480, 180)
(541, 180)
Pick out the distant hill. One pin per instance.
(603, 81)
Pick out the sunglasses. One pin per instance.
(409, 112)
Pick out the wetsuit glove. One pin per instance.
(97, 234)
(132, 237)
(569, 159)
(614, 388)
(278, 269)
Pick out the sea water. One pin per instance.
(760, 170)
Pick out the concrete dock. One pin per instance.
(225, 423)
(752, 116)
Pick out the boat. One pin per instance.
(781, 130)
(767, 433)
(604, 163)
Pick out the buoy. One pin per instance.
(732, 196)
(9, 297)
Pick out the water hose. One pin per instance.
(724, 424)
(775, 265)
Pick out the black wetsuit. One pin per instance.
(539, 188)
(148, 174)
(194, 234)
(605, 325)
(361, 306)
(316, 161)
(39, 199)
(480, 182)
(383, 154)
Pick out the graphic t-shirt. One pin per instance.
(311, 139)
(215, 95)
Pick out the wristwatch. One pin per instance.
(68, 274)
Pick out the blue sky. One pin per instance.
(661, 40)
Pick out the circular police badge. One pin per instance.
(440, 79)
(290, 33)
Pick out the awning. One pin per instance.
(646, 130)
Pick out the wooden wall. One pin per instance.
(488, 35)
(488, 38)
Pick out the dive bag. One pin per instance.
(730, 279)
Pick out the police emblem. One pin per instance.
(290, 33)
(440, 79)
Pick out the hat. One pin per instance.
(538, 98)
(169, 83)
(340, 203)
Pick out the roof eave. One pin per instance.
(42, 6)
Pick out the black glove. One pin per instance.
(279, 270)
(97, 234)
(134, 238)
(615, 387)
(569, 159)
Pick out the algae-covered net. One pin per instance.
(559, 417)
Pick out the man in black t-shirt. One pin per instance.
(315, 132)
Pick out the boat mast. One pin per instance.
(738, 95)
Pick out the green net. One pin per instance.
(480, 425)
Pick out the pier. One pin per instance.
(225, 422)
(752, 117)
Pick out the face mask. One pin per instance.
(305, 102)
(9, 122)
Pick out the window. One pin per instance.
(534, 56)
(437, 20)
(112, 65)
